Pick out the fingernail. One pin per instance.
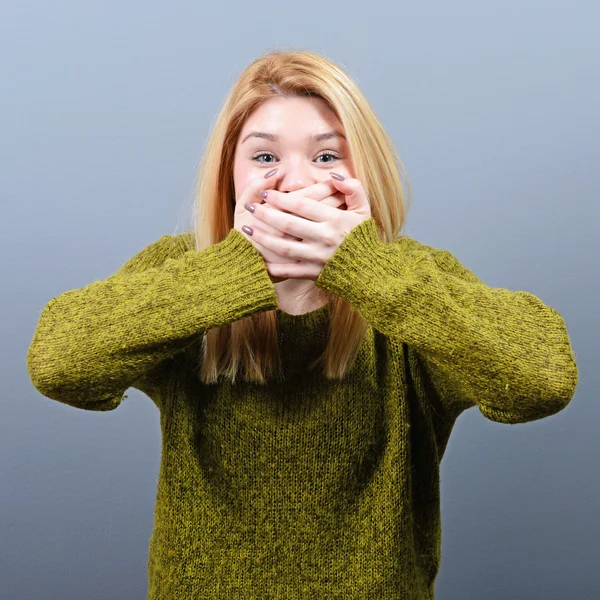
(271, 172)
(247, 229)
(263, 194)
(249, 207)
(336, 176)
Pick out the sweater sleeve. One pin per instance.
(92, 344)
(503, 351)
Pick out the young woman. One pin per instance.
(308, 361)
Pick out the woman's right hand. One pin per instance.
(245, 217)
(241, 216)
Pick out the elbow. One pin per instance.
(561, 374)
(528, 406)
(51, 383)
(556, 380)
(559, 382)
(51, 374)
(41, 373)
(524, 413)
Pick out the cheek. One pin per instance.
(242, 174)
(349, 164)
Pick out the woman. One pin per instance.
(279, 479)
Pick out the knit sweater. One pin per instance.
(308, 488)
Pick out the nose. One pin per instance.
(295, 176)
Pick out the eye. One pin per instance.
(325, 153)
(262, 154)
(334, 156)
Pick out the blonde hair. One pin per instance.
(249, 347)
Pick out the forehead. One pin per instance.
(278, 115)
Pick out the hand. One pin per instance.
(244, 217)
(321, 229)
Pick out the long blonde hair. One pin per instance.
(249, 347)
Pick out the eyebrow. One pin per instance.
(314, 139)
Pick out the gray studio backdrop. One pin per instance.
(104, 112)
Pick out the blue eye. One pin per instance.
(256, 158)
(334, 156)
(258, 155)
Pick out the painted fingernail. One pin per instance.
(247, 229)
(338, 177)
(271, 172)
(263, 194)
(249, 207)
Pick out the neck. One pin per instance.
(297, 296)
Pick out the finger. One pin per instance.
(319, 191)
(335, 200)
(299, 270)
(338, 199)
(273, 230)
(291, 251)
(297, 209)
(255, 185)
(354, 192)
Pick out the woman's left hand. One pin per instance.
(321, 228)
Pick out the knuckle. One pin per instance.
(329, 238)
(287, 224)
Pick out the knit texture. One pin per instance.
(307, 488)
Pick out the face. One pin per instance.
(302, 161)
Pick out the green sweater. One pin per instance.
(309, 488)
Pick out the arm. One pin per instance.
(91, 344)
(505, 352)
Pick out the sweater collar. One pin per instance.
(302, 338)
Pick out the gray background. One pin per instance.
(105, 110)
